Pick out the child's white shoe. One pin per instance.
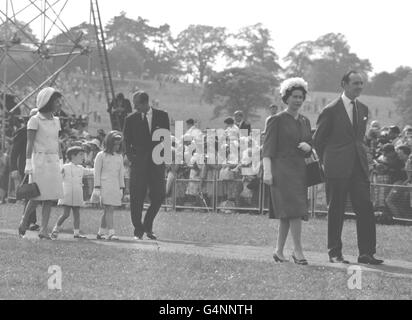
(112, 237)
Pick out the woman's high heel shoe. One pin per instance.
(277, 259)
(302, 262)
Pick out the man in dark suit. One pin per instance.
(145, 174)
(241, 123)
(17, 164)
(339, 142)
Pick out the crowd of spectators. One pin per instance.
(237, 179)
(390, 159)
(389, 152)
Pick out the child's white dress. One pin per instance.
(73, 184)
(109, 175)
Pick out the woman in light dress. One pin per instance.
(44, 158)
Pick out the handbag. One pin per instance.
(314, 172)
(253, 184)
(27, 191)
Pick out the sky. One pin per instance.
(378, 30)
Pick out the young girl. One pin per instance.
(73, 173)
(109, 181)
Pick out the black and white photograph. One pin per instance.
(206, 156)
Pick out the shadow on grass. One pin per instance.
(389, 269)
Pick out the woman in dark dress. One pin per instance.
(286, 144)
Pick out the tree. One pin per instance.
(77, 38)
(154, 45)
(243, 89)
(402, 93)
(124, 59)
(199, 46)
(83, 33)
(253, 48)
(402, 72)
(161, 57)
(20, 36)
(123, 30)
(323, 61)
(17, 31)
(299, 59)
(382, 83)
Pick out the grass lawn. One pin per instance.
(91, 271)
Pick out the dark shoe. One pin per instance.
(339, 259)
(34, 227)
(138, 235)
(21, 231)
(369, 259)
(151, 235)
(277, 259)
(100, 237)
(44, 237)
(302, 262)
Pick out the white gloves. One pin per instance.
(28, 169)
(305, 147)
(97, 192)
(15, 175)
(96, 196)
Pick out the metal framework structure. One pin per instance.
(17, 39)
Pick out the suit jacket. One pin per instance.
(245, 125)
(138, 142)
(18, 151)
(336, 141)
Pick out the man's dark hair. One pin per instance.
(229, 121)
(143, 97)
(190, 122)
(73, 151)
(406, 150)
(387, 148)
(49, 105)
(346, 76)
(395, 130)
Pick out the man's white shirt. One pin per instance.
(348, 106)
(149, 116)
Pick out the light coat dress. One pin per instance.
(109, 176)
(45, 157)
(73, 184)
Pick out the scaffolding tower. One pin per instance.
(18, 19)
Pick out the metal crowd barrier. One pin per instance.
(228, 196)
